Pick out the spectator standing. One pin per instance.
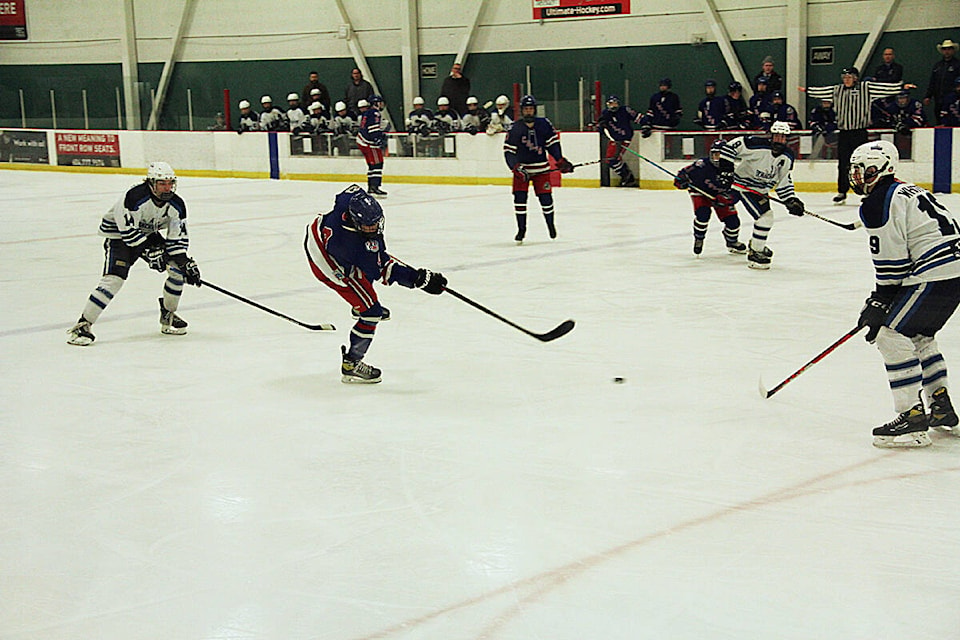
(774, 81)
(942, 78)
(308, 95)
(358, 89)
(950, 111)
(852, 100)
(456, 87)
(889, 70)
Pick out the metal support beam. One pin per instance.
(409, 52)
(879, 26)
(358, 56)
(128, 66)
(471, 31)
(726, 47)
(796, 63)
(169, 64)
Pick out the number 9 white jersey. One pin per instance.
(913, 238)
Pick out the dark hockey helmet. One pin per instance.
(375, 101)
(366, 214)
(903, 98)
(710, 83)
(716, 158)
(528, 101)
(613, 100)
(850, 71)
(777, 95)
(734, 86)
(666, 82)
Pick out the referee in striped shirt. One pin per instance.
(851, 99)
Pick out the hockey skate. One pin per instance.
(909, 429)
(840, 198)
(629, 181)
(80, 334)
(384, 315)
(377, 192)
(521, 234)
(736, 247)
(552, 230)
(357, 371)
(941, 410)
(697, 246)
(759, 259)
(171, 323)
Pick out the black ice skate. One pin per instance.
(697, 246)
(840, 198)
(80, 334)
(736, 247)
(941, 410)
(909, 429)
(759, 259)
(521, 234)
(357, 371)
(629, 181)
(552, 230)
(384, 314)
(171, 323)
(377, 192)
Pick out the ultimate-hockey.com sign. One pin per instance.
(544, 9)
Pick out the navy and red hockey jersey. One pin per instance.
(528, 146)
(619, 123)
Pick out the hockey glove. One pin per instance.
(155, 257)
(872, 315)
(431, 282)
(191, 272)
(681, 181)
(521, 172)
(645, 132)
(728, 198)
(565, 165)
(794, 206)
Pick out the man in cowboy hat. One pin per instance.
(942, 78)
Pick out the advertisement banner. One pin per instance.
(24, 146)
(88, 149)
(13, 20)
(547, 9)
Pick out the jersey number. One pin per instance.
(929, 205)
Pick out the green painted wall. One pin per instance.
(630, 72)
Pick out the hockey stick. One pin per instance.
(664, 169)
(560, 330)
(820, 356)
(311, 327)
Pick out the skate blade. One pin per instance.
(172, 331)
(356, 380)
(761, 267)
(80, 341)
(903, 441)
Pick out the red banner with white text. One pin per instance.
(548, 9)
(13, 20)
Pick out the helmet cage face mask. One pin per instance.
(869, 164)
(161, 172)
(366, 214)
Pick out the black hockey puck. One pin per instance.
(618, 380)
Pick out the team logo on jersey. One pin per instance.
(373, 246)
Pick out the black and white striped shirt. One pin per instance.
(853, 104)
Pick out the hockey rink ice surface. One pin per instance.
(226, 485)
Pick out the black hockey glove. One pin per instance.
(191, 272)
(521, 172)
(794, 206)
(872, 315)
(682, 181)
(155, 257)
(565, 165)
(431, 282)
(645, 132)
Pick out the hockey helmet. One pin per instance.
(340, 106)
(734, 86)
(443, 101)
(869, 163)
(161, 172)
(292, 96)
(366, 214)
(779, 131)
(903, 98)
(375, 100)
(266, 100)
(780, 128)
(244, 104)
(314, 92)
(716, 156)
(666, 82)
(611, 100)
(710, 83)
(315, 106)
(503, 100)
(362, 104)
(777, 95)
(418, 100)
(763, 80)
(472, 100)
(850, 71)
(528, 101)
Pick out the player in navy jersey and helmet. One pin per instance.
(915, 244)
(525, 149)
(664, 111)
(762, 163)
(346, 251)
(712, 108)
(616, 121)
(736, 112)
(709, 182)
(371, 140)
(901, 112)
(149, 222)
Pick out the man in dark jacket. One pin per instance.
(945, 72)
(456, 87)
(307, 93)
(358, 89)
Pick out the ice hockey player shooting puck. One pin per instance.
(618, 380)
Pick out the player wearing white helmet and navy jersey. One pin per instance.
(915, 244)
(149, 222)
(525, 151)
(760, 164)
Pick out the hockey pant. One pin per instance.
(544, 192)
(910, 353)
(614, 158)
(727, 214)
(118, 258)
(758, 206)
(847, 141)
(374, 158)
(359, 293)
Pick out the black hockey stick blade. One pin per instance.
(559, 331)
(312, 327)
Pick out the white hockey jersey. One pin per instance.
(913, 238)
(136, 215)
(756, 167)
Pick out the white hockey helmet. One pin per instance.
(340, 106)
(314, 92)
(292, 96)
(362, 104)
(503, 100)
(418, 100)
(315, 106)
(443, 100)
(244, 104)
(869, 163)
(780, 127)
(161, 171)
(266, 100)
(472, 100)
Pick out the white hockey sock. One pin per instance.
(101, 296)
